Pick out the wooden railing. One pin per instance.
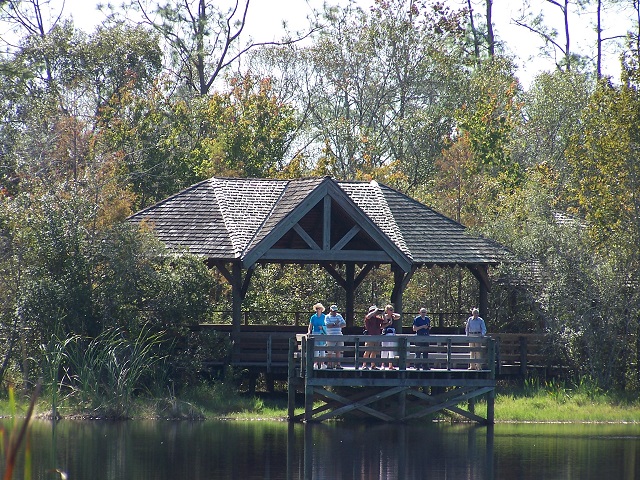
(267, 350)
(448, 352)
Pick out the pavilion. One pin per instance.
(237, 223)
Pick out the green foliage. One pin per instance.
(248, 131)
(107, 371)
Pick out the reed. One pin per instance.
(108, 370)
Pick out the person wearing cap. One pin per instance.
(373, 326)
(317, 326)
(475, 327)
(388, 318)
(335, 323)
(422, 327)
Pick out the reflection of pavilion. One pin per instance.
(391, 452)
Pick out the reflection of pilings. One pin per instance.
(308, 451)
(291, 441)
(489, 468)
(402, 449)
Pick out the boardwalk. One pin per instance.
(429, 374)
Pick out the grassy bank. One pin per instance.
(531, 402)
(564, 402)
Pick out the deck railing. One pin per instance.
(402, 352)
(266, 349)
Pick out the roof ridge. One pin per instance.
(394, 225)
(266, 217)
(165, 200)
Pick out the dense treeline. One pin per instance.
(95, 126)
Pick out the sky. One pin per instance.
(265, 17)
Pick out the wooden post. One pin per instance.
(491, 396)
(523, 356)
(402, 353)
(236, 295)
(350, 270)
(309, 352)
(291, 375)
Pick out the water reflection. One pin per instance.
(376, 451)
(214, 450)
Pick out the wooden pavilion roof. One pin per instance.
(312, 220)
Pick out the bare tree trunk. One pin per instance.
(476, 40)
(599, 32)
(490, 35)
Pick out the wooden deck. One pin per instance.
(264, 349)
(414, 388)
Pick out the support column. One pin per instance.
(350, 291)
(483, 302)
(236, 294)
(482, 275)
(400, 281)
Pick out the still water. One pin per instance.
(211, 450)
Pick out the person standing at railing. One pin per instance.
(317, 326)
(422, 327)
(387, 329)
(335, 323)
(373, 326)
(475, 327)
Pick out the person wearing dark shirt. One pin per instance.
(422, 327)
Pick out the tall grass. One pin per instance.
(54, 356)
(107, 371)
(564, 401)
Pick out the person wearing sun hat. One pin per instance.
(373, 325)
(335, 323)
(317, 326)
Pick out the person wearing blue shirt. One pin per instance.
(317, 326)
(422, 327)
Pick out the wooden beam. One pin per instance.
(317, 256)
(350, 293)
(335, 274)
(347, 237)
(363, 274)
(306, 237)
(247, 281)
(236, 296)
(326, 224)
(357, 405)
(482, 274)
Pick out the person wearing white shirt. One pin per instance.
(475, 327)
(334, 323)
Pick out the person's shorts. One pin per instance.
(335, 344)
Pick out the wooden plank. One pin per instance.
(360, 404)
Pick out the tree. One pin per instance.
(372, 93)
(203, 39)
(553, 43)
(57, 86)
(489, 120)
(551, 111)
(487, 39)
(606, 173)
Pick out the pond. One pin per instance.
(212, 450)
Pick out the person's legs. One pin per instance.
(338, 354)
(366, 355)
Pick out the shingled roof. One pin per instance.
(253, 220)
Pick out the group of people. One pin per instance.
(379, 321)
(331, 324)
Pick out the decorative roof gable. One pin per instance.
(312, 220)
